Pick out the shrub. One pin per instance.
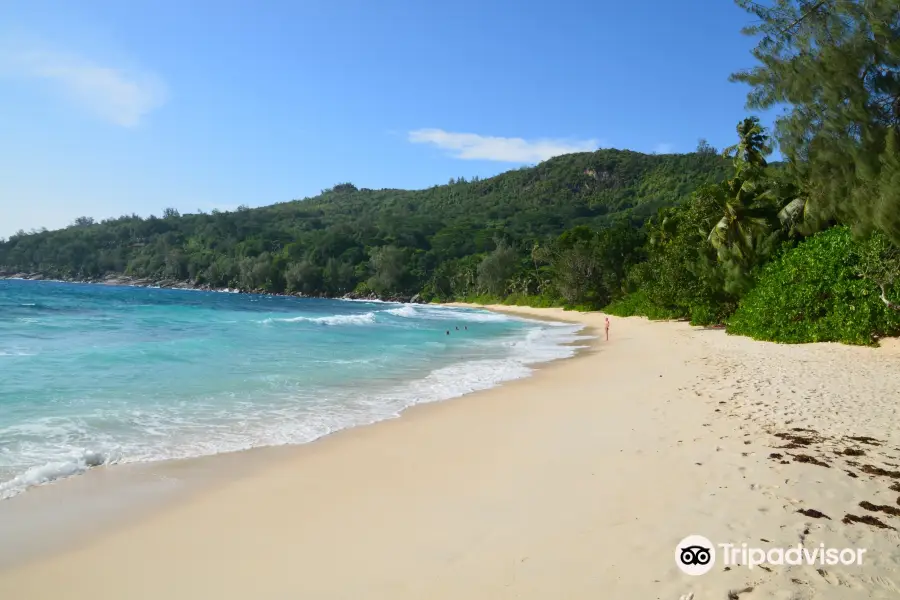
(637, 304)
(703, 314)
(815, 293)
(532, 301)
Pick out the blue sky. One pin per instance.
(111, 107)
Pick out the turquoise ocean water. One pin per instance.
(94, 375)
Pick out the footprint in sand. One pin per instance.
(879, 581)
(833, 578)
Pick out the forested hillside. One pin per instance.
(807, 251)
(392, 242)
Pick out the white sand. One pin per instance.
(575, 483)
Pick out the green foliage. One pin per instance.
(746, 233)
(704, 254)
(533, 301)
(439, 241)
(588, 267)
(497, 268)
(302, 277)
(682, 277)
(390, 268)
(815, 293)
(637, 304)
(837, 66)
(880, 264)
(513, 300)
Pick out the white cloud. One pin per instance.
(664, 148)
(471, 146)
(123, 97)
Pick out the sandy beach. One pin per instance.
(575, 483)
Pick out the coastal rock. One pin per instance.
(114, 280)
(357, 296)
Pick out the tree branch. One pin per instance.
(815, 7)
(884, 298)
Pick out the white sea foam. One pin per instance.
(207, 426)
(447, 314)
(538, 345)
(407, 310)
(360, 319)
(66, 467)
(365, 300)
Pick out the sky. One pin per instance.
(110, 108)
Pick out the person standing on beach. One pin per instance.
(607, 329)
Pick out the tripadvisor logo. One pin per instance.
(696, 555)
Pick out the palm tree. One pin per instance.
(748, 203)
(752, 148)
(741, 230)
(794, 213)
(666, 228)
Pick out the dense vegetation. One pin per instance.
(737, 252)
(806, 250)
(495, 236)
(828, 300)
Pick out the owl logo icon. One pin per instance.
(695, 555)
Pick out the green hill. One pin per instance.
(393, 241)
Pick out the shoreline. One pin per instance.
(575, 482)
(121, 280)
(435, 385)
(110, 496)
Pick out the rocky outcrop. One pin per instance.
(358, 296)
(416, 299)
